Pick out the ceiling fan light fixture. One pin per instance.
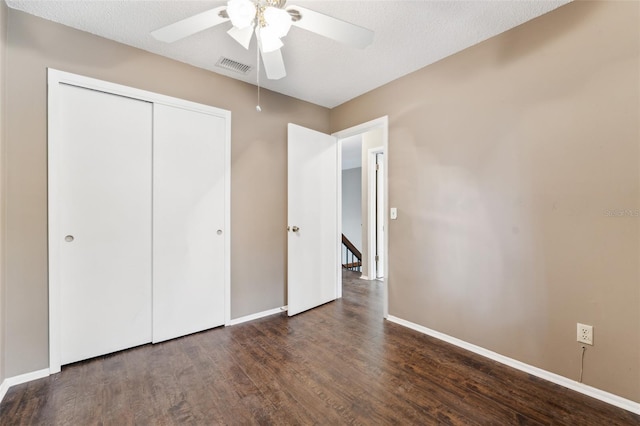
(241, 13)
(278, 20)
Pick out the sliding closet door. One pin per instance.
(102, 199)
(188, 222)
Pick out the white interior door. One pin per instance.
(103, 153)
(189, 222)
(313, 261)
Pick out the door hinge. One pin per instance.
(377, 258)
(377, 167)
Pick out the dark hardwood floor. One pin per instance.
(340, 363)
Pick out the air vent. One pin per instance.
(231, 65)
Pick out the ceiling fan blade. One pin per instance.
(242, 36)
(191, 25)
(327, 26)
(273, 65)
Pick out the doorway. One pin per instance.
(374, 136)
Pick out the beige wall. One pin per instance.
(503, 163)
(3, 43)
(258, 175)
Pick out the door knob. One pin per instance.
(295, 229)
(68, 238)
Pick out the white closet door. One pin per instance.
(104, 232)
(188, 224)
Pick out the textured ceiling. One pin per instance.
(408, 36)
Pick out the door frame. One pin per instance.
(378, 123)
(372, 187)
(54, 79)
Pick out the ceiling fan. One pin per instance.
(270, 21)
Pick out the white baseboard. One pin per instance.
(22, 378)
(257, 316)
(364, 277)
(607, 397)
(4, 387)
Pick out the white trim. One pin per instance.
(54, 79)
(53, 221)
(371, 213)
(604, 396)
(339, 218)
(378, 123)
(256, 316)
(4, 387)
(362, 128)
(372, 186)
(22, 378)
(227, 219)
(364, 277)
(57, 76)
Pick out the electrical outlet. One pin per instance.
(585, 334)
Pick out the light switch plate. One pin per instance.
(394, 213)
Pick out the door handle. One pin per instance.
(295, 229)
(69, 238)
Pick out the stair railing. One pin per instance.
(351, 256)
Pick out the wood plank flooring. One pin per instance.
(340, 363)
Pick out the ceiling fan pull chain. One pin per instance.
(258, 76)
